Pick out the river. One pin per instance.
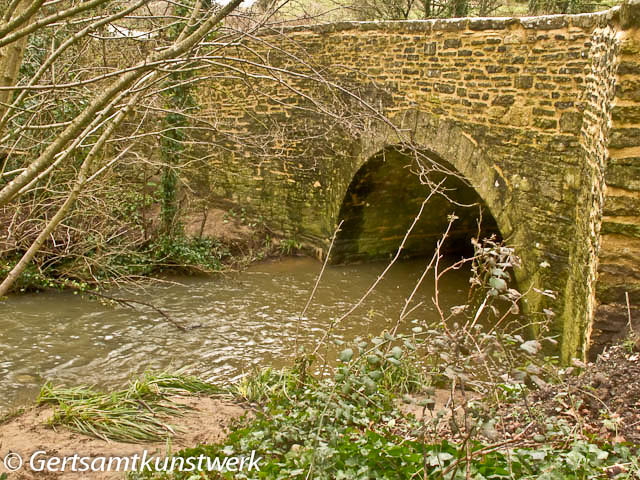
(247, 319)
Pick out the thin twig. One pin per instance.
(315, 287)
(384, 272)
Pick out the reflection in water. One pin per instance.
(247, 319)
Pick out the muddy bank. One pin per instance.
(208, 422)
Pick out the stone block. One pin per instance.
(628, 67)
(452, 43)
(626, 114)
(584, 20)
(570, 122)
(629, 89)
(430, 48)
(621, 205)
(547, 22)
(524, 82)
(444, 88)
(624, 173)
(630, 14)
(628, 229)
(450, 25)
(504, 100)
(624, 137)
(490, 23)
(545, 123)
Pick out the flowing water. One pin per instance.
(243, 320)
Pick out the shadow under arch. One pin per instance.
(386, 194)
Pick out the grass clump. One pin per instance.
(264, 384)
(139, 413)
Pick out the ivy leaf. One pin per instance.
(498, 284)
(346, 355)
(373, 359)
(396, 352)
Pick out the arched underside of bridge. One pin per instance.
(384, 201)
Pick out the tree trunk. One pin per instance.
(10, 60)
(49, 154)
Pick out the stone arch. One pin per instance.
(446, 143)
(450, 144)
(386, 194)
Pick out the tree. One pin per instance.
(85, 106)
(97, 120)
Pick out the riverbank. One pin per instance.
(389, 425)
(217, 241)
(206, 422)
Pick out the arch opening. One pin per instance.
(384, 198)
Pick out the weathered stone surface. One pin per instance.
(547, 22)
(629, 68)
(629, 89)
(624, 137)
(450, 24)
(521, 108)
(621, 205)
(570, 122)
(628, 228)
(630, 14)
(624, 174)
(626, 114)
(490, 23)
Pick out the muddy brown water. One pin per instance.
(245, 320)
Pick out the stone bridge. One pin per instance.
(538, 117)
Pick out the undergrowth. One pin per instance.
(351, 426)
(165, 253)
(351, 423)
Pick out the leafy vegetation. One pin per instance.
(351, 426)
(351, 421)
(175, 253)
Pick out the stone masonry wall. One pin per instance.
(520, 107)
(619, 265)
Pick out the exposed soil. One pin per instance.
(599, 400)
(605, 397)
(217, 223)
(28, 433)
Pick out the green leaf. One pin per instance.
(346, 355)
(373, 359)
(498, 284)
(397, 353)
(370, 385)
